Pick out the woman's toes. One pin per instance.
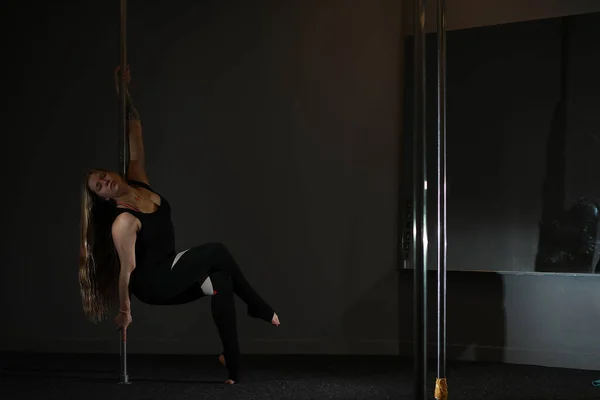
(275, 320)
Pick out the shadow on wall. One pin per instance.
(568, 239)
(475, 319)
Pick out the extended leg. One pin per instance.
(195, 264)
(257, 307)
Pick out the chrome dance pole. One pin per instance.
(419, 252)
(124, 377)
(123, 142)
(123, 136)
(441, 384)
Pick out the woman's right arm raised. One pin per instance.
(124, 233)
(137, 159)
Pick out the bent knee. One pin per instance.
(207, 287)
(221, 282)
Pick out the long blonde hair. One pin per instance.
(98, 259)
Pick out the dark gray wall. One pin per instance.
(270, 126)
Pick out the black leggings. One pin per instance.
(227, 279)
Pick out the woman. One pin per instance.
(128, 246)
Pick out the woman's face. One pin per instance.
(105, 184)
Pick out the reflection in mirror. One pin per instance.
(523, 145)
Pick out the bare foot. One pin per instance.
(222, 362)
(275, 320)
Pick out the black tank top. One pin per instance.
(155, 243)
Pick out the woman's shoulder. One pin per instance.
(125, 220)
(125, 215)
(124, 231)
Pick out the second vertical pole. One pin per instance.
(419, 250)
(441, 384)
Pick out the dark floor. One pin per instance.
(88, 377)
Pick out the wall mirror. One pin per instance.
(523, 145)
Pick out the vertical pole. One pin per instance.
(420, 205)
(441, 385)
(124, 377)
(123, 139)
(123, 143)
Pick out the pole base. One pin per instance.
(124, 380)
(441, 389)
